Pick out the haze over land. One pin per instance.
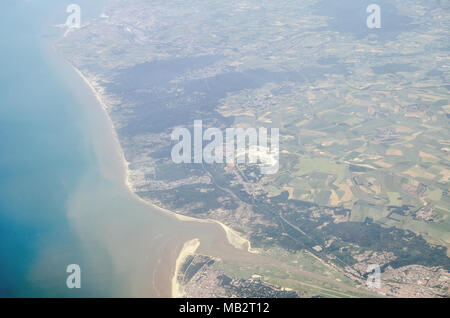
(364, 135)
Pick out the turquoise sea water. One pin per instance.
(42, 156)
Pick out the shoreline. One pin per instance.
(234, 238)
(189, 248)
(98, 96)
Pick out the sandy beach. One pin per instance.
(188, 248)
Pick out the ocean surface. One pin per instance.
(42, 157)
